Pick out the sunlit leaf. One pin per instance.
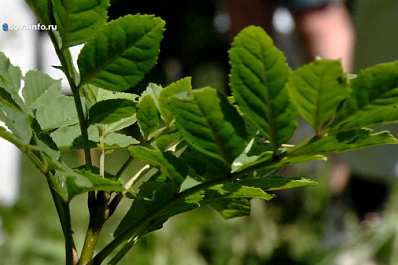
(119, 56)
(258, 77)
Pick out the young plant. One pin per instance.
(197, 146)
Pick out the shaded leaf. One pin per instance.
(69, 137)
(111, 111)
(258, 76)
(119, 56)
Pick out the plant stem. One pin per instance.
(132, 230)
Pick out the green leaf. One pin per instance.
(168, 92)
(153, 90)
(258, 76)
(167, 139)
(11, 80)
(17, 122)
(210, 124)
(40, 89)
(121, 124)
(267, 160)
(374, 99)
(119, 56)
(147, 116)
(276, 183)
(167, 163)
(341, 142)
(79, 20)
(7, 99)
(69, 137)
(117, 140)
(58, 112)
(317, 89)
(81, 181)
(111, 111)
(232, 199)
(41, 8)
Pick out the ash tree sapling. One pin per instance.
(197, 147)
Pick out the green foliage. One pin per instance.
(197, 147)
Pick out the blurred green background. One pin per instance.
(304, 226)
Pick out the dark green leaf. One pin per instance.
(111, 111)
(258, 76)
(119, 56)
(79, 20)
(210, 124)
(317, 89)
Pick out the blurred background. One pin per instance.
(351, 217)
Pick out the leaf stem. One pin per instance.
(132, 230)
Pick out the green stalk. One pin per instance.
(141, 224)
